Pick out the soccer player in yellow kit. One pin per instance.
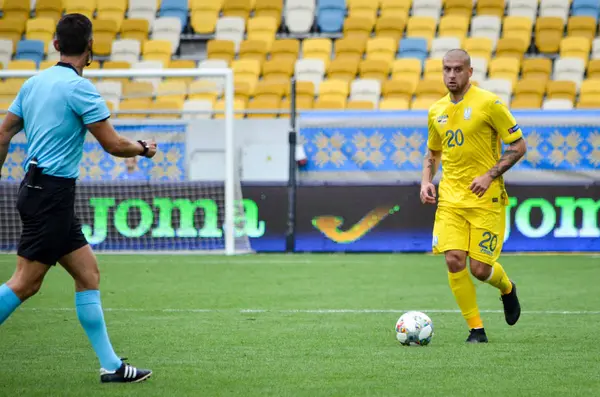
(465, 129)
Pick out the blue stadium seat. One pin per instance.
(413, 47)
(588, 8)
(331, 15)
(30, 49)
(175, 8)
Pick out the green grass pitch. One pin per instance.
(307, 325)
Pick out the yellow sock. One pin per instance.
(499, 279)
(464, 291)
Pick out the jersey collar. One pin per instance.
(464, 96)
(67, 65)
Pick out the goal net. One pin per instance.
(164, 204)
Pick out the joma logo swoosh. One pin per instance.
(330, 225)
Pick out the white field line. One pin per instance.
(313, 311)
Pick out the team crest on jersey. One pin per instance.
(442, 119)
(467, 114)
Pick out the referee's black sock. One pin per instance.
(8, 302)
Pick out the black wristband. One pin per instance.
(145, 146)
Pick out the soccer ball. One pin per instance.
(414, 329)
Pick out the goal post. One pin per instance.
(227, 197)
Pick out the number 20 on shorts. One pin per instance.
(455, 138)
(489, 242)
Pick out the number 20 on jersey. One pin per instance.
(455, 138)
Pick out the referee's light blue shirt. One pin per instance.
(56, 105)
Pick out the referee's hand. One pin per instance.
(152, 148)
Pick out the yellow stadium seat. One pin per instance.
(253, 49)
(406, 68)
(505, 68)
(510, 48)
(157, 50)
(421, 26)
(395, 7)
(270, 89)
(393, 104)
(278, 69)
(401, 89)
(381, 48)
(390, 26)
(172, 90)
(102, 46)
(575, 47)
(360, 105)
(376, 69)
(12, 28)
(581, 26)
(138, 104)
(529, 94)
(246, 67)
(262, 28)
(458, 7)
(17, 9)
(237, 8)
(301, 104)
(363, 9)
(22, 64)
(268, 8)
(333, 90)
(330, 104)
(431, 88)
(590, 91)
(84, 7)
(135, 29)
(593, 69)
(433, 69)
(41, 29)
(479, 47)
(257, 107)
(453, 25)
(344, 69)
(423, 102)
(221, 49)
(317, 49)
(52, 9)
(138, 90)
(166, 105)
(536, 68)
(350, 48)
(104, 29)
(287, 49)
(204, 21)
(358, 27)
(207, 90)
(47, 64)
(5, 105)
(561, 89)
(518, 27)
(181, 64)
(9, 89)
(239, 106)
(588, 103)
(305, 90)
(491, 7)
(548, 33)
(243, 85)
(116, 65)
(112, 10)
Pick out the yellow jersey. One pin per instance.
(468, 134)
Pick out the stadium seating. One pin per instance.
(345, 54)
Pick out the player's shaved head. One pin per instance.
(457, 71)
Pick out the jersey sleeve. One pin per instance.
(87, 103)
(433, 138)
(503, 122)
(16, 107)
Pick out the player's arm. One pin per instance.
(11, 125)
(431, 163)
(118, 145)
(91, 107)
(503, 122)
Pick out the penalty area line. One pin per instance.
(314, 311)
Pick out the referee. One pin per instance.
(56, 108)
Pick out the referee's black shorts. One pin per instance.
(50, 227)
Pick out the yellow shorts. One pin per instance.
(478, 231)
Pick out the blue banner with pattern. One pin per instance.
(396, 141)
(97, 165)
